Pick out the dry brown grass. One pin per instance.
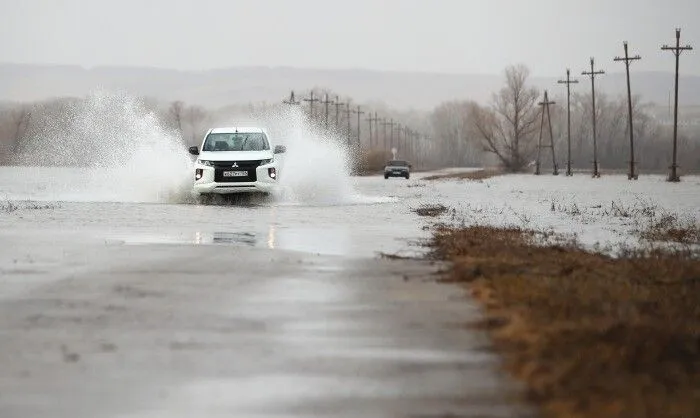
(592, 336)
(431, 210)
(671, 228)
(467, 175)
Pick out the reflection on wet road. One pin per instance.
(126, 309)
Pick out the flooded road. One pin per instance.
(130, 307)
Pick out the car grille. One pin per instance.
(241, 164)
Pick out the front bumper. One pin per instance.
(398, 173)
(208, 184)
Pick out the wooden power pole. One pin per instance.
(326, 102)
(631, 175)
(593, 74)
(568, 83)
(545, 109)
(677, 50)
(359, 113)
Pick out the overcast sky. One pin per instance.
(454, 36)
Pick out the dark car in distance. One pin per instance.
(397, 168)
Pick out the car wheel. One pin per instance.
(385, 177)
(407, 176)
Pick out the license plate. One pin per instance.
(235, 174)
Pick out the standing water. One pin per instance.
(111, 147)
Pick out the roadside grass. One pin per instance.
(467, 175)
(649, 222)
(672, 228)
(592, 335)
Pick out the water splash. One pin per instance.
(315, 170)
(123, 150)
(126, 154)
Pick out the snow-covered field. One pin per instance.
(606, 211)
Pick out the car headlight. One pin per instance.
(205, 162)
(268, 161)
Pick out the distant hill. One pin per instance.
(215, 88)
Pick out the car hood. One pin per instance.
(235, 155)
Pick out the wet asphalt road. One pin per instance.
(118, 309)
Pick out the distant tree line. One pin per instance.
(501, 133)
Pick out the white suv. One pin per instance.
(236, 160)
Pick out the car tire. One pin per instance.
(408, 176)
(386, 177)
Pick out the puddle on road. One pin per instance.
(335, 241)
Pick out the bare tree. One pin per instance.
(452, 131)
(176, 112)
(195, 117)
(508, 124)
(20, 119)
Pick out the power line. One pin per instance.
(677, 50)
(593, 74)
(568, 83)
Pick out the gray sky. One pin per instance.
(455, 36)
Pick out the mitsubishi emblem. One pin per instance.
(235, 165)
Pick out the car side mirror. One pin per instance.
(194, 150)
(280, 149)
(410, 166)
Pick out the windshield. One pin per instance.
(238, 141)
(398, 163)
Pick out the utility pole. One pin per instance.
(568, 83)
(359, 113)
(326, 101)
(311, 101)
(398, 138)
(545, 108)
(337, 105)
(407, 141)
(370, 120)
(291, 100)
(592, 74)
(391, 125)
(376, 129)
(677, 50)
(631, 175)
(347, 115)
